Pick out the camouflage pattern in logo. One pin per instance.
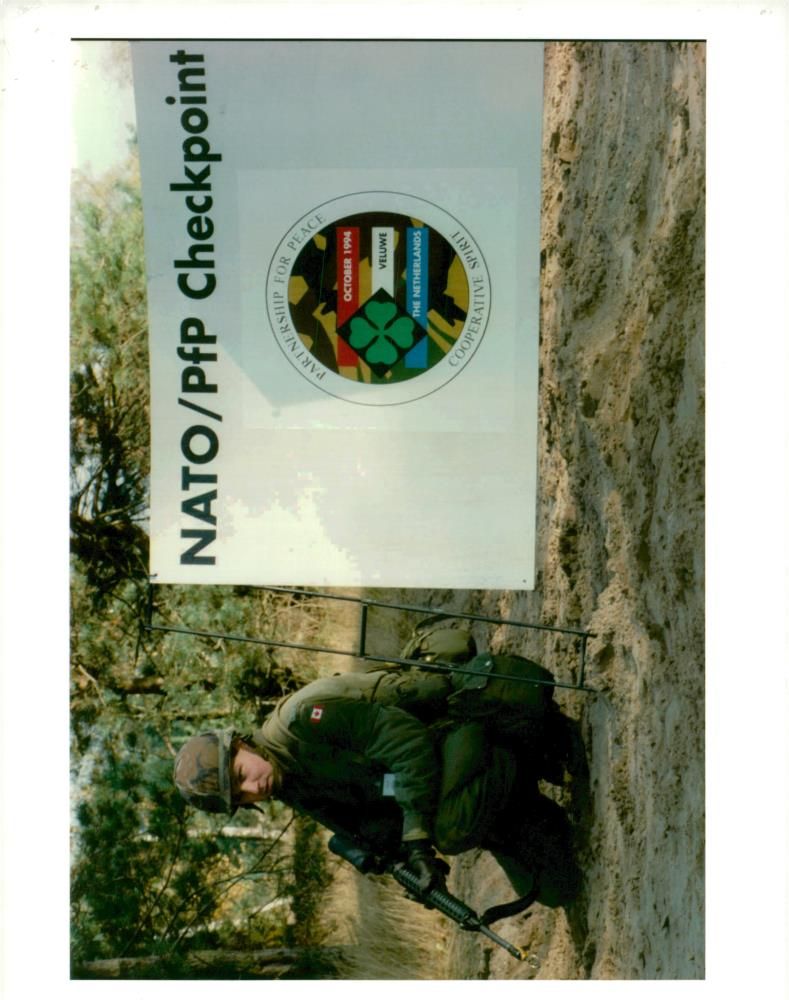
(378, 298)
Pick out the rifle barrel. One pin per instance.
(515, 952)
(451, 907)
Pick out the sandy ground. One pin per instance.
(621, 523)
(621, 514)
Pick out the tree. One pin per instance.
(225, 963)
(153, 881)
(109, 385)
(141, 886)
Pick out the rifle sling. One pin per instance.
(494, 913)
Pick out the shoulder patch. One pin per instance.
(317, 713)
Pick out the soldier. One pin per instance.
(413, 761)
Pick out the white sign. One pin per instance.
(342, 247)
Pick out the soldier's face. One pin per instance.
(252, 777)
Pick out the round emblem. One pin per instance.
(378, 297)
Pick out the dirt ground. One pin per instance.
(621, 516)
(621, 522)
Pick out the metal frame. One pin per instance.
(361, 652)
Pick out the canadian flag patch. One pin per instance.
(316, 714)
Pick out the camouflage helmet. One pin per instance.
(448, 645)
(202, 771)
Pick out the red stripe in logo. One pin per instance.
(347, 286)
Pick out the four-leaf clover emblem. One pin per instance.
(382, 332)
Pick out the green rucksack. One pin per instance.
(484, 685)
(498, 684)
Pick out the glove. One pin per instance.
(430, 870)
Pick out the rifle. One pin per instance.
(351, 848)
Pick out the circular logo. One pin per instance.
(378, 297)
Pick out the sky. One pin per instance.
(103, 106)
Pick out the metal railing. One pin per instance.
(361, 652)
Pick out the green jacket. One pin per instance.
(335, 739)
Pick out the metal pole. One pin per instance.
(362, 629)
(429, 667)
(366, 603)
(149, 604)
(583, 660)
(427, 611)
